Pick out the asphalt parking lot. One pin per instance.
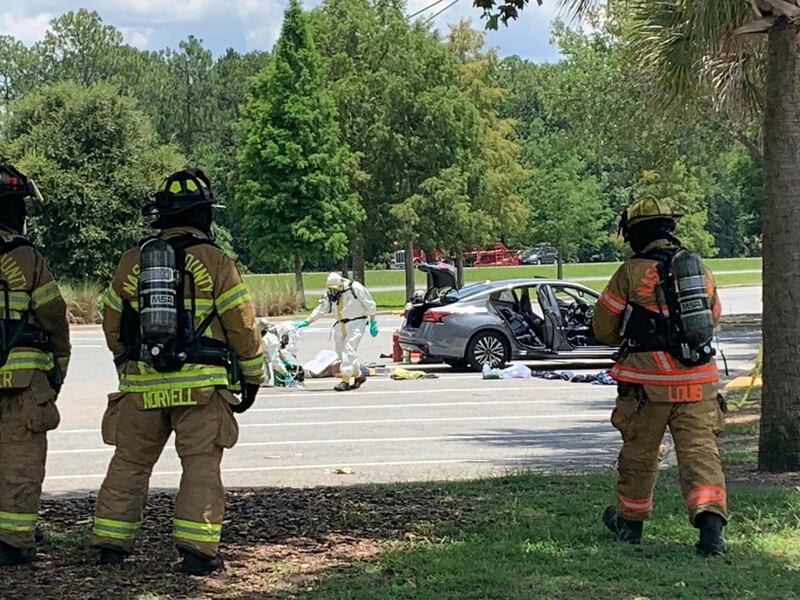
(454, 426)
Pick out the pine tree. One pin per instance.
(293, 166)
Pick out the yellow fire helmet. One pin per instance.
(645, 209)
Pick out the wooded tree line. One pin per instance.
(364, 132)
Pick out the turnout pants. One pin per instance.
(348, 337)
(139, 434)
(25, 416)
(694, 427)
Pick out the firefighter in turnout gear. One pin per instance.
(661, 306)
(355, 310)
(34, 355)
(182, 329)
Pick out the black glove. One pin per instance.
(248, 397)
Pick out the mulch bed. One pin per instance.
(275, 542)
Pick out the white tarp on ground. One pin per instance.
(320, 362)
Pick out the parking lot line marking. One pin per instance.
(409, 405)
(378, 421)
(455, 437)
(416, 420)
(435, 390)
(398, 463)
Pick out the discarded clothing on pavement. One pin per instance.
(600, 378)
(401, 374)
(513, 371)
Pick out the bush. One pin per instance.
(84, 301)
(273, 299)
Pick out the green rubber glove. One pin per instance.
(302, 324)
(373, 327)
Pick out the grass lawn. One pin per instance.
(575, 271)
(540, 537)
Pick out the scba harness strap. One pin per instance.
(20, 332)
(662, 329)
(191, 346)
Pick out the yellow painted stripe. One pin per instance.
(744, 382)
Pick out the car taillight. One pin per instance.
(435, 316)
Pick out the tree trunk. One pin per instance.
(359, 271)
(560, 264)
(410, 284)
(460, 269)
(300, 290)
(343, 268)
(779, 443)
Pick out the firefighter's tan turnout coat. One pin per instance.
(27, 393)
(193, 402)
(685, 399)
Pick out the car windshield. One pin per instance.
(475, 288)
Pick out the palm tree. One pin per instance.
(747, 52)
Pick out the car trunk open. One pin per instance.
(441, 279)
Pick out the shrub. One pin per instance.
(84, 301)
(273, 299)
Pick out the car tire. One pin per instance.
(485, 344)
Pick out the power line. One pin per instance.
(422, 10)
(441, 11)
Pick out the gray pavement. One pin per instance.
(455, 426)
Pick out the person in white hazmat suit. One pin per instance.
(354, 309)
(280, 353)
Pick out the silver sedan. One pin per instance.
(498, 321)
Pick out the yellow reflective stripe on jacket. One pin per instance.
(17, 300)
(118, 530)
(232, 298)
(22, 358)
(112, 300)
(196, 532)
(18, 522)
(44, 294)
(252, 367)
(190, 376)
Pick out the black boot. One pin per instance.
(711, 541)
(362, 378)
(112, 557)
(11, 555)
(626, 530)
(195, 563)
(342, 386)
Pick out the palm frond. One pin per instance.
(687, 44)
(578, 8)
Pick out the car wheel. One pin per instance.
(487, 347)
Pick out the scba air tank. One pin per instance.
(694, 304)
(159, 284)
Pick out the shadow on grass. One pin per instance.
(540, 538)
